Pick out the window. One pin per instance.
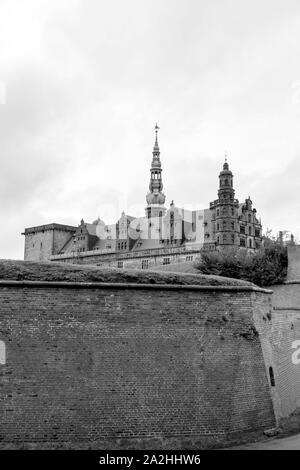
(250, 243)
(232, 225)
(232, 211)
(242, 242)
(166, 260)
(257, 233)
(249, 218)
(145, 264)
(232, 237)
(189, 258)
(218, 212)
(271, 374)
(250, 231)
(218, 227)
(242, 229)
(120, 264)
(224, 238)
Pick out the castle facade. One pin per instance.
(162, 236)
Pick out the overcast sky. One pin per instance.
(82, 84)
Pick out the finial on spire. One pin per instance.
(225, 157)
(156, 147)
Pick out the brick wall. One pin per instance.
(279, 335)
(132, 362)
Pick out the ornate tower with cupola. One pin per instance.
(226, 211)
(155, 197)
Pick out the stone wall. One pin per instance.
(293, 263)
(150, 259)
(46, 240)
(92, 362)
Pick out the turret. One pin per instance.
(226, 210)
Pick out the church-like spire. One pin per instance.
(156, 151)
(155, 195)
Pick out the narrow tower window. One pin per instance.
(271, 374)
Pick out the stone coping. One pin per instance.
(293, 281)
(131, 285)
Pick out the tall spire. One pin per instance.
(155, 195)
(156, 151)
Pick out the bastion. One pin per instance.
(108, 358)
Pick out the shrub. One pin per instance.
(264, 267)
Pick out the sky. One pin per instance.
(83, 82)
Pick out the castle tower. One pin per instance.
(155, 197)
(226, 210)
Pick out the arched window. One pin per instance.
(2, 353)
(249, 218)
(271, 374)
(250, 243)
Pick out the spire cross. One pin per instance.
(225, 157)
(156, 128)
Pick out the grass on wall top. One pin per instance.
(50, 271)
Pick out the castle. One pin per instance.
(162, 236)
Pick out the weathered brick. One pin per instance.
(86, 364)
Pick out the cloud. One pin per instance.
(85, 83)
